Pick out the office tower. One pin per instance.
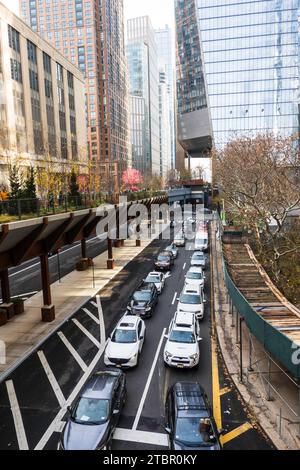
(251, 62)
(166, 60)
(144, 83)
(91, 35)
(41, 100)
(164, 125)
(193, 122)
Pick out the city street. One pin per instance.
(34, 398)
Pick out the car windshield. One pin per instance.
(142, 296)
(91, 411)
(194, 276)
(124, 336)
(163, 258)
(201, 241)
(191, 432)
(153, 279)
(182, 337)
(190, 299)
(199, 257)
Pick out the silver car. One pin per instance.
(199, 259)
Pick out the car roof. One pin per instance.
(100, 385)
(189, 396)
(145, 286)
(128, 322)
(198, 253)
(195, 269)
(184, 318)
(154, 273)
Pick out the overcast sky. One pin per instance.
(161, 12)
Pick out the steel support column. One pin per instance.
(110, 261)
(83, 248)
(5, 286)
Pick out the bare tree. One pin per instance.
(259, 180)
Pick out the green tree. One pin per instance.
(15, 182)
(74, 194)
(30, 186)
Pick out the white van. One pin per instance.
(201, 241)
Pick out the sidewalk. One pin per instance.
(273, 416)
(25, 332)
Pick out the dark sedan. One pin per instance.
(143, 301)
(95, 414)
(189, 419)
(164, 261)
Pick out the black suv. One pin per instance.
(164, 261)
(95, 414)
(189, 419)
(144, 300)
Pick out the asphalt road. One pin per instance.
(25, 280)
(33, 401)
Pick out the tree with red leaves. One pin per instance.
(132, 180)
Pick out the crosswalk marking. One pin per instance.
(236, 433)
(72, 351)
(142, 437)
(91, 316)
(51, 377)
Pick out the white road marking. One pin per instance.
(91, 316)
(142, 402)
(94, 304)
(168, 275)
(174, 298)
(86, 332)
(184, 266)
(51, 377)
(101, 320)
(143, 437)
(60, 427)
(74, 353)
(15, 409)
(51, 429)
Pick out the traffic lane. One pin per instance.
(152, 418)
(26, 279)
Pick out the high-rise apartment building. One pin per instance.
(166, 61)
(193, 117)
(144, 83)
(164, 125)
(251, 57)
(41, 101)
(91, 35)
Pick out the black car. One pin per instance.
(189, 419)
(95, 414)
(164, 261)
(144, 300)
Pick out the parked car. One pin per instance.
(156, 278)
(164, 261)
(191, 300)
(125, 344)
(199, 259)
(173, 250)
(179, 240)
(190, 424)
(95, 414)
(182, 347)
(143, 301)
(195, 276)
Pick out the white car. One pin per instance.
(201, 241)
(182, 346)
(156, 278)
(192, 301)
(179, 241)
(125, 344)
(198, 259)
(172, 249)
(195, 276)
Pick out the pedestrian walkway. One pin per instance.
(25, 332)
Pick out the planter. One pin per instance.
(3, 317)
(18, 306)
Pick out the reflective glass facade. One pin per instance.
(251, 59)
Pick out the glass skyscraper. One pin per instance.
(250, 52)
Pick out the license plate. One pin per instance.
(180, 366)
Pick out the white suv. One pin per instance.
(195, 276)
(182, 347)
(192, 300)
(125, 344)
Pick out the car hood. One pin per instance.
(84, 437)
(198, 282)
(181, 349)
(192, 308)
(121, 351)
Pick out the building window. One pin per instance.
(59, 73)
(48, 88)
(73, 125)
(71, 102)
(14, 38)
(47, 63)
(70, 80)
(33, 80)
(64, 148)
(16, 71)
(31, 50)
(62, 121)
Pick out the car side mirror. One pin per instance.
(205, 301)
(221, 432)
(168, 430)
(116, 412)
(167, 336)
(141, 338)
(200, 339)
